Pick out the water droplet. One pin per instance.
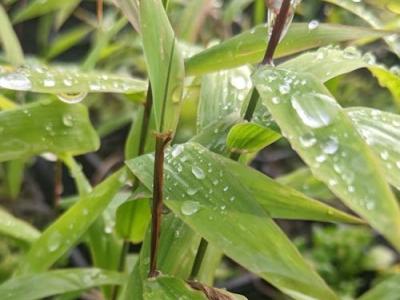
(275, 100)
(15, 81)
(317, 112)
(351, 53)
(49, 82)
(239, 82)
(54, 241)
(72, 98)
(68, 120)
(189, 208)
(307, 140)
(321, 158)
(384, 155)
(191, 191)
(284, 89)
(313, 24)
(331, 145)
(198, 172)
(177, 150)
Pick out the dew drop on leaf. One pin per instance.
(189, 208)
(72, 98)
(198, 172)
(15, 81)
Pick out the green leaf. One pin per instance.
(368, 15)
(169, 288)
(202, 191)
(222, 93)
(389, 80)
(67, 40)
(213, 136)
(388, 289)
(14, 175)
(132, 220)
(130, 8)
(52, 283)
(54, 127)
(66, 80)
(250, 137)
(164, 64)
(337, 62)
(66, 231)
(381, 131)
(9, 40)
(178, 246)
(249, 47)
(234, 8)
(17, 229)
(37, 8)
(322, 134)
(304, 181)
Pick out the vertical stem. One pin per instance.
(268, 59)
(58, 186)
(99, 11)
(276, 33)
(162, 140)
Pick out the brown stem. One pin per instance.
(162, 140)
(99, 11)
(58, 186)
(276, 33)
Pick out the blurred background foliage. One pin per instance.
(351, 259)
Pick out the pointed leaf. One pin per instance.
(322, 134)
(388, 289)
(16, 228)
(250, 137)
(249, 47)
(9, 40)
(66, 80)
(164, 63)
(61, 128)
(230, 215)
(43, 285)
(66, 231)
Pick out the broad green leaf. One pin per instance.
(322, 134)
(388, 289)
(361, 10)
(282, 202)
(54, 127)
(16, 228)
(52, 283)
(202, 191)
(164, 64)
(337, 62)
(9, 40)
(249, 47)
(66, 81)
(381, 131)
(37, 8)
(66, 231)
(222, 93)
(250, 137)
(132, 220)
(65, 41)
(304, 181)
